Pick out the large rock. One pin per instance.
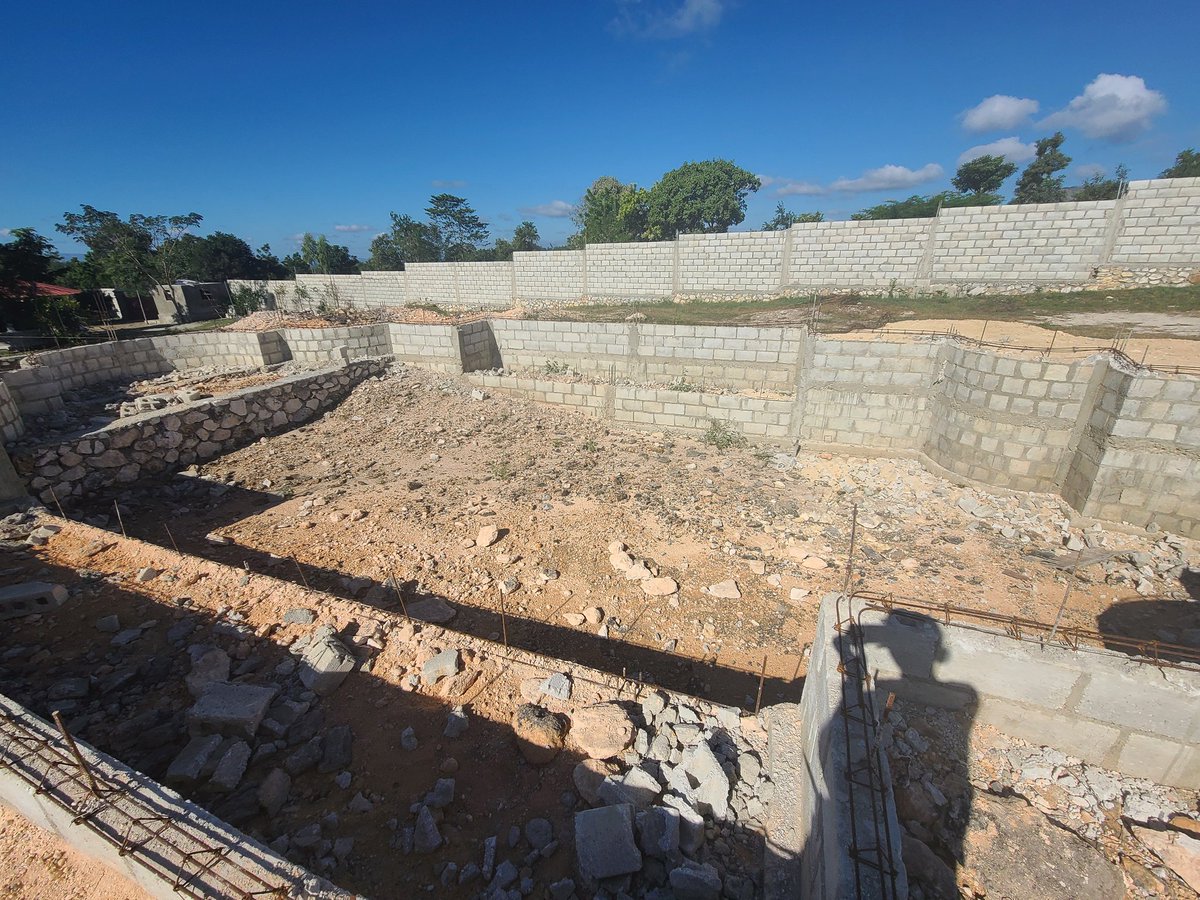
(1011, 849)
(187, 766)
(695, 881)
(604, 844)
(539, 732)
(637, 787)
(1178, 851)
(602, 731)
(659, 587)
(444, 665)
(273, 792)
(231, 768)
(209, 664)
(725, 590)
(339, 749)
(589, 775)
(326, 663)
(658, 832)
(231, 708)
(710, 783)
(434, 610)
(426, 837)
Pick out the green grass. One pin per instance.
(844, 312)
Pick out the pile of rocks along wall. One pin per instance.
(164, 441)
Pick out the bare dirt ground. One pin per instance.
(38, 864)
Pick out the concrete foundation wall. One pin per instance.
(150, 864)
(317, 346)
(12, 425)
(1097, 705)
(429, 346)
(556, 275)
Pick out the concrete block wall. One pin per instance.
(1160, 223)
(1034, 242)
(871, 395)
(428, 346)
(1005, 421)
(1095, 704)
(477, 347)
(741, 356)
(858, 254)
(744, 262)
(318, 346)
(473, 284)
(623, 271)
(12, 425)
(556, 275)
(1142, 452)
(1150, 236)
(759, 419)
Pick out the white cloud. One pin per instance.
(352, 228)
(555, 209)
(452, 183)
(1087, 170)
(789, 188)
(1114, 107)
(662, 20)
(887, 178)
(5, 232)
(1011, 148)
(999, 113)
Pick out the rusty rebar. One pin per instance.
(79, 760)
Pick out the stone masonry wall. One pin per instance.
(12, 425)
(161, 442)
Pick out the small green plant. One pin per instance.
(682, 385)
(554, 367)
(502, 470)
(590, 446)
(722, 435)
(245, 299)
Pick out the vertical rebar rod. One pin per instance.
(56, 502)
(299, 569)
(850, 555)
(80, 761)
(171, 536)
(399, 596)
(762, 676)
(120, 521)
(503, 616)
(1066, 594)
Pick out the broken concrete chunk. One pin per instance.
(274, 790)
(187, 766)
(725, 590)
(444, 665)
(325, 664)
(433, 610)
(488, 535)
(637, 787)
(209, 664)
(231, 768)
(231, 708)
(659, 587)
(658, 832)
(604, 844)
(426, 837)
(602, 730)
(695, 881)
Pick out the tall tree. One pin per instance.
(916, 206)
(982, 176)
(457, 227)
(319, 257)
(1039, 183)
(408, 241)
(785, 219)
(1187, 165)
(610, 213)
(526, 237)
(138, 252)
(1097, 187)
(220, 256)
(25, 260)
(699, 198)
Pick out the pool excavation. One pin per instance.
(524, 608)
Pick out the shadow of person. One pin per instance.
(925, 735)
(1168, 630)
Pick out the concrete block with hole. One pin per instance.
(19, 600)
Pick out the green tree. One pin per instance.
(1097, 187)
(526, 237)
(1039, 183)
(457, 229)
(318, 256)
(138, 252)
(26, 260)
(785, 219)
(408, 241)
(699, 198)
(916, 206)
(220, 256)
(610, 213)
(269, 266)
(982, 176)
(1187, 165)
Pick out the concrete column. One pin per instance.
(789, 237)
(1113, 223)
(925, 269)
(585, 273)
(676, 280)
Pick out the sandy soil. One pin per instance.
(38, 864)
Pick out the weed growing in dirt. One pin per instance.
(554, 367)
(590, 446)
(682, 385)
(723, 436)
(502, 470)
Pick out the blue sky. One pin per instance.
(273, 119)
